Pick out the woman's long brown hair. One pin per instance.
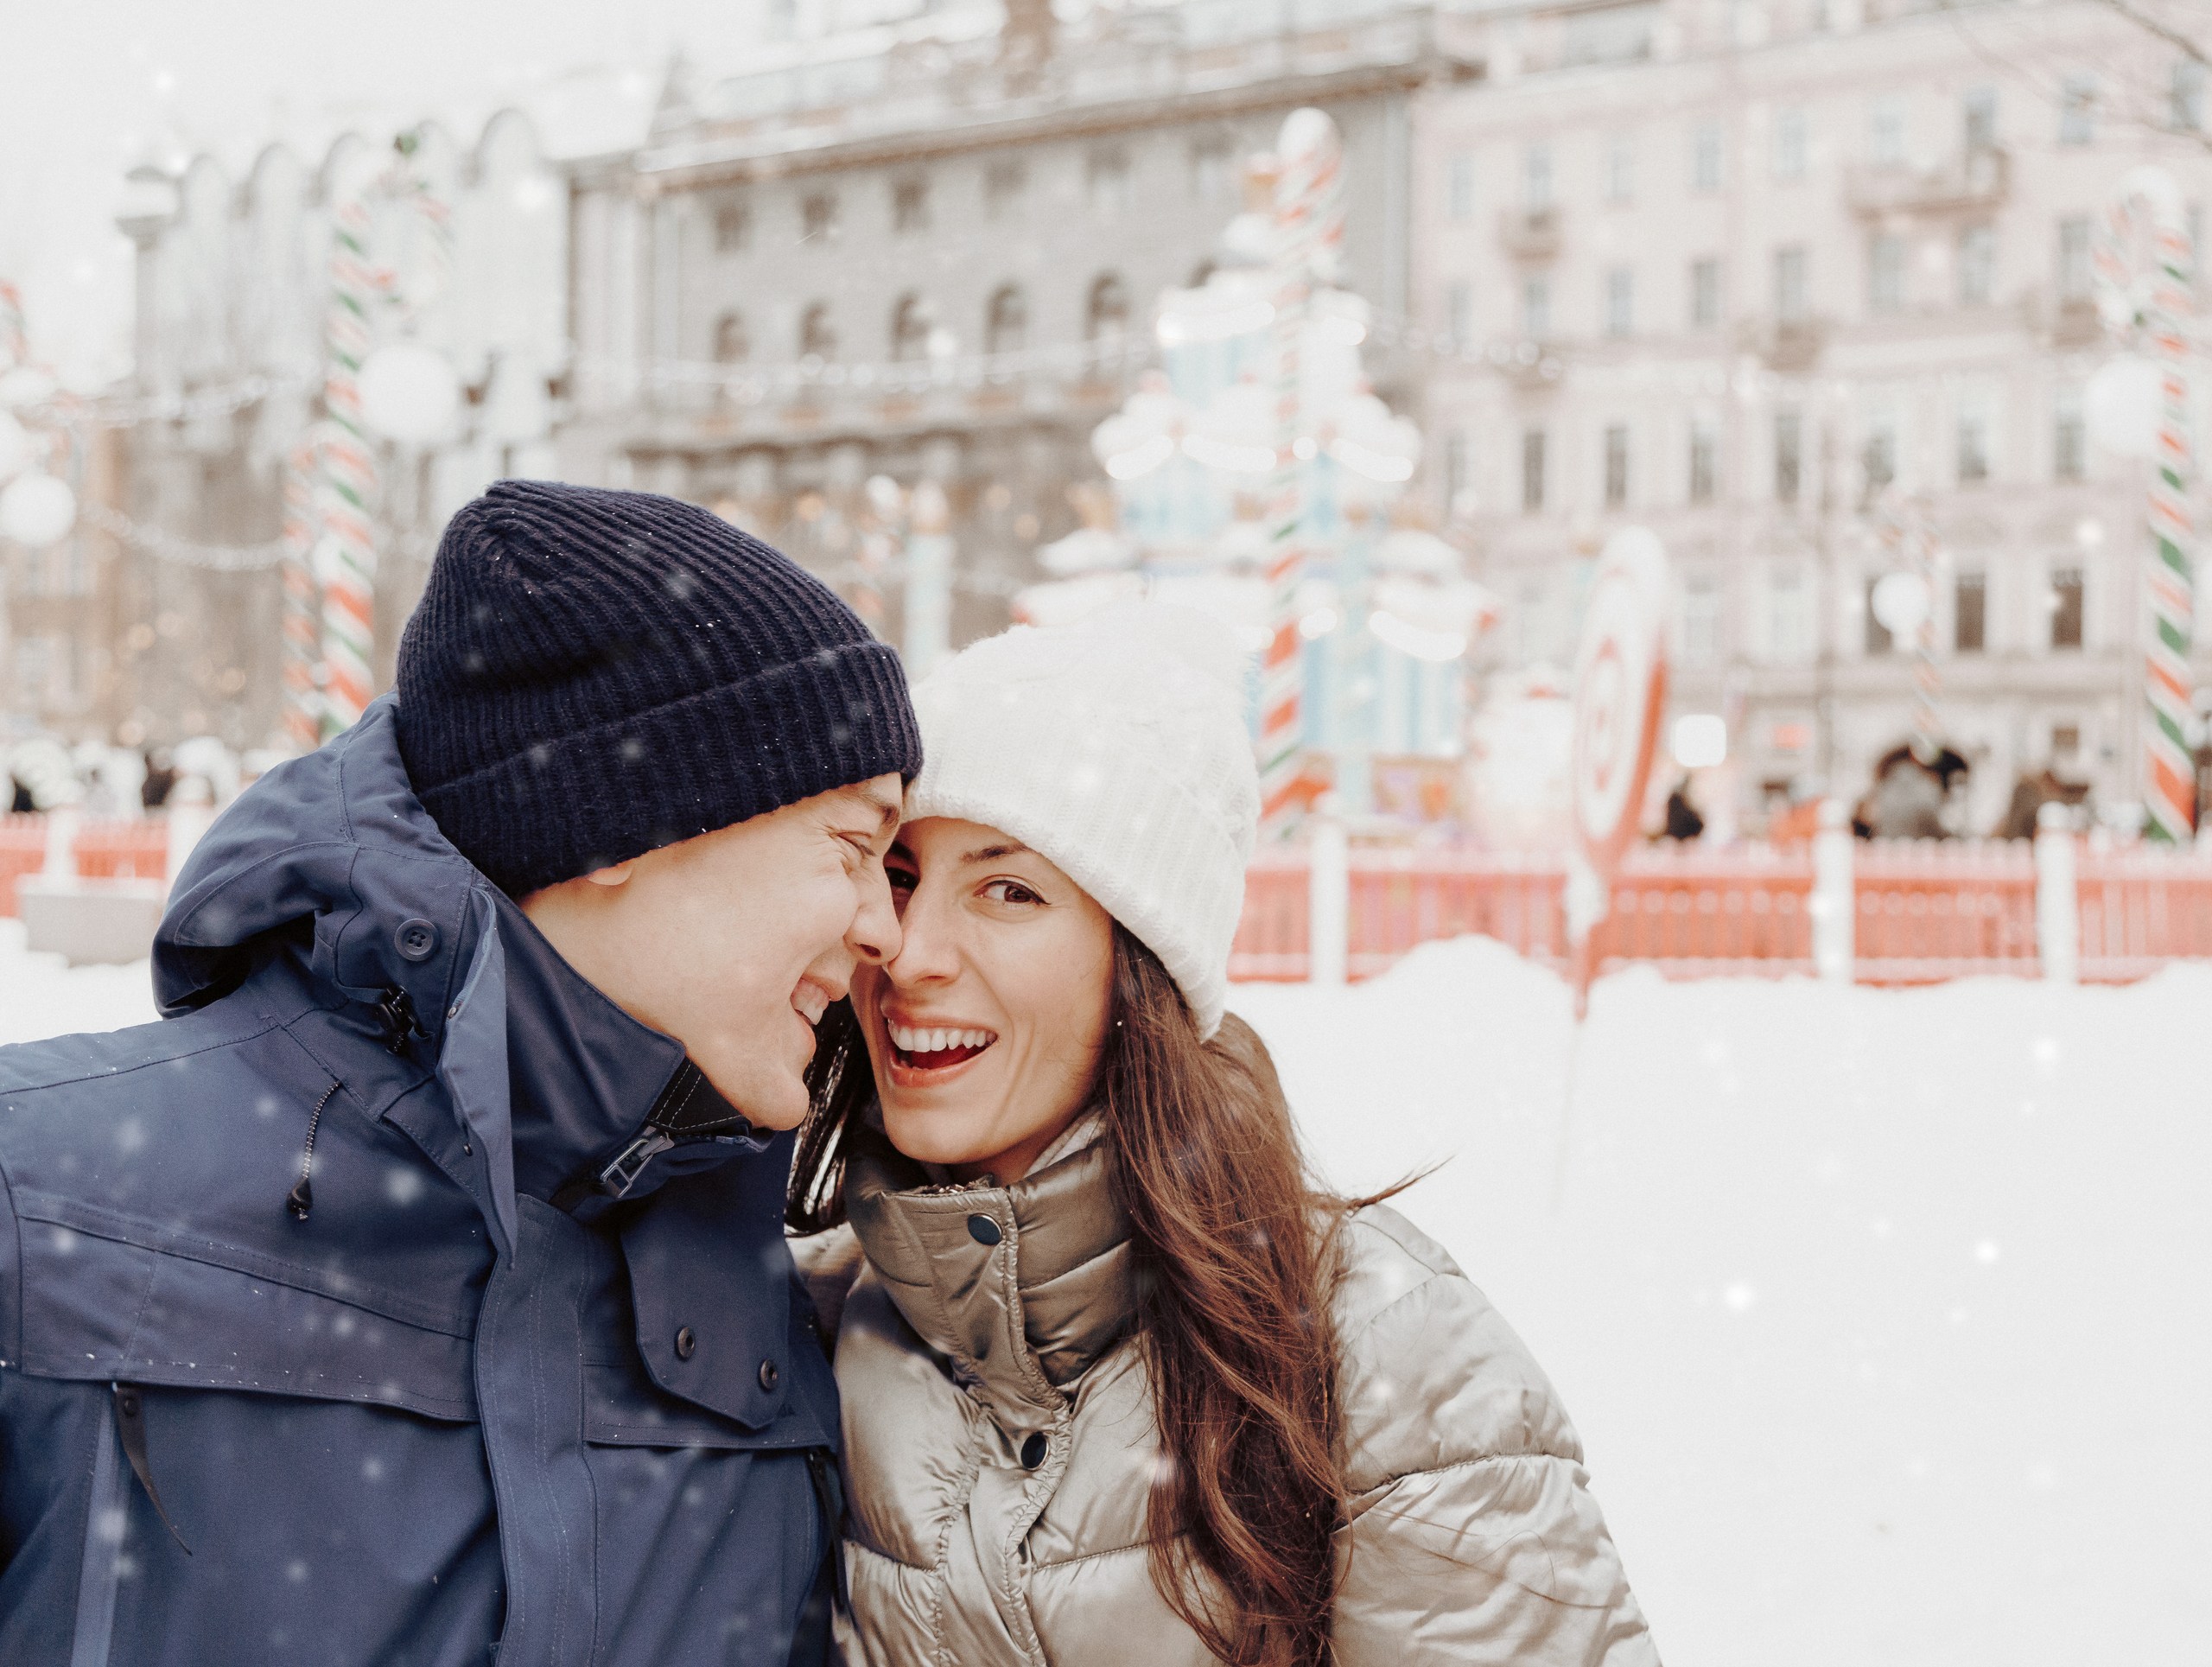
(1235, 1252)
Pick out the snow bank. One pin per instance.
(1884, 1314)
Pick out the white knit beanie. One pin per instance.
(1117, 750)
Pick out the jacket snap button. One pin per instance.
(983, 1230)
(417, 940)
(686, 1344)
(1033, 1451)
(769, 1374)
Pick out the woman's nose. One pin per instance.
(925, 950)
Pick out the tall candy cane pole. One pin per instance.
(2154, 296)
(15, 337)
(346, 483)
(1309, 228)
(302, 644)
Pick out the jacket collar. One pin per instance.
(1023, 1314)
(557, 1093)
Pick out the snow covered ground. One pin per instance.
(1886, 1316)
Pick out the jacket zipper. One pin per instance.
(301, 1199)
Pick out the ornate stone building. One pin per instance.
(1732, 271)
(929, 250)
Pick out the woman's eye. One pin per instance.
(901, 879)
(1010, 891)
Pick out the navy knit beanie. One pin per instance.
(592, 675)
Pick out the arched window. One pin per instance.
(817, 336)
(732, 344)
(911, 320)
(1108, 313)
(1006, 323)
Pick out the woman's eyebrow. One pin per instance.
(992, 853)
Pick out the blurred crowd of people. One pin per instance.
(103, 780)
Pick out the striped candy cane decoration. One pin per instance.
(1309, 226)
(346, 484)
(302, 644)
(2153, 297)
(15, 336)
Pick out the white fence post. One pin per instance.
(1328, 901)
(61, 845)
(1835, 904)
(2058, 910)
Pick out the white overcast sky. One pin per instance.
(86, 89)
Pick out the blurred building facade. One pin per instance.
(929, 249)
(1747, 273)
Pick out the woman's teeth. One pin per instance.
(910, 1039)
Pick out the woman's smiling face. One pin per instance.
(984, 1030)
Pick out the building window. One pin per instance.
(1885, 131)
(2069, 435)
(911, 322)
(1979, 108)
(817, 336)
(733, 345)
(1620, 302)
(1109, 177)
(910, 205)
(1620, 169)
(1791, 143)
(733, 227)
(1788, 455)
(2077, 110)
(1700, 621)
(1878, 455)
(1977, 265)
(1973, 447)
(1003, 183)
(1704, 158)
(1536, 178)
(1885, 274)
(1459, 313)
(1536, 305)
(1211, 165)
(1790, 616)
(1879, 640)
(1459, 470)
(1106, 311)
(2065, 605)
(1705, 460)
(1705, 294)
(1532, 471)
(818, 216)
(1970, 614)
(1789, 298)
(1006, 320)
(1459, 188)
(1617, 465)
(2074, 257)
(2188, 96)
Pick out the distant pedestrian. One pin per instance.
(1684, 820)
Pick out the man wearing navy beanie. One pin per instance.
(416, 1292)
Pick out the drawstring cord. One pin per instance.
(301, 1198)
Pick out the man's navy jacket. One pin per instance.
(521, 1372)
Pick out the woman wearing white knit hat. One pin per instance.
(1122, 1384)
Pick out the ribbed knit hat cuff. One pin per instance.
(604, 793)
(1157, 860)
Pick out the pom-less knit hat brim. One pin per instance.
(592, 675)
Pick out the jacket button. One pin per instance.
(417, 940)
(1034, 1450)
(768, 1374)
(686, 1344)
(983, 1230)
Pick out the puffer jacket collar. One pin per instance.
(1021, 1288)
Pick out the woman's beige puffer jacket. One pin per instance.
(999, 1446)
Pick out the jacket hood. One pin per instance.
(331, 860)
(1022, 1287)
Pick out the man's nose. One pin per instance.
(875, 936)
